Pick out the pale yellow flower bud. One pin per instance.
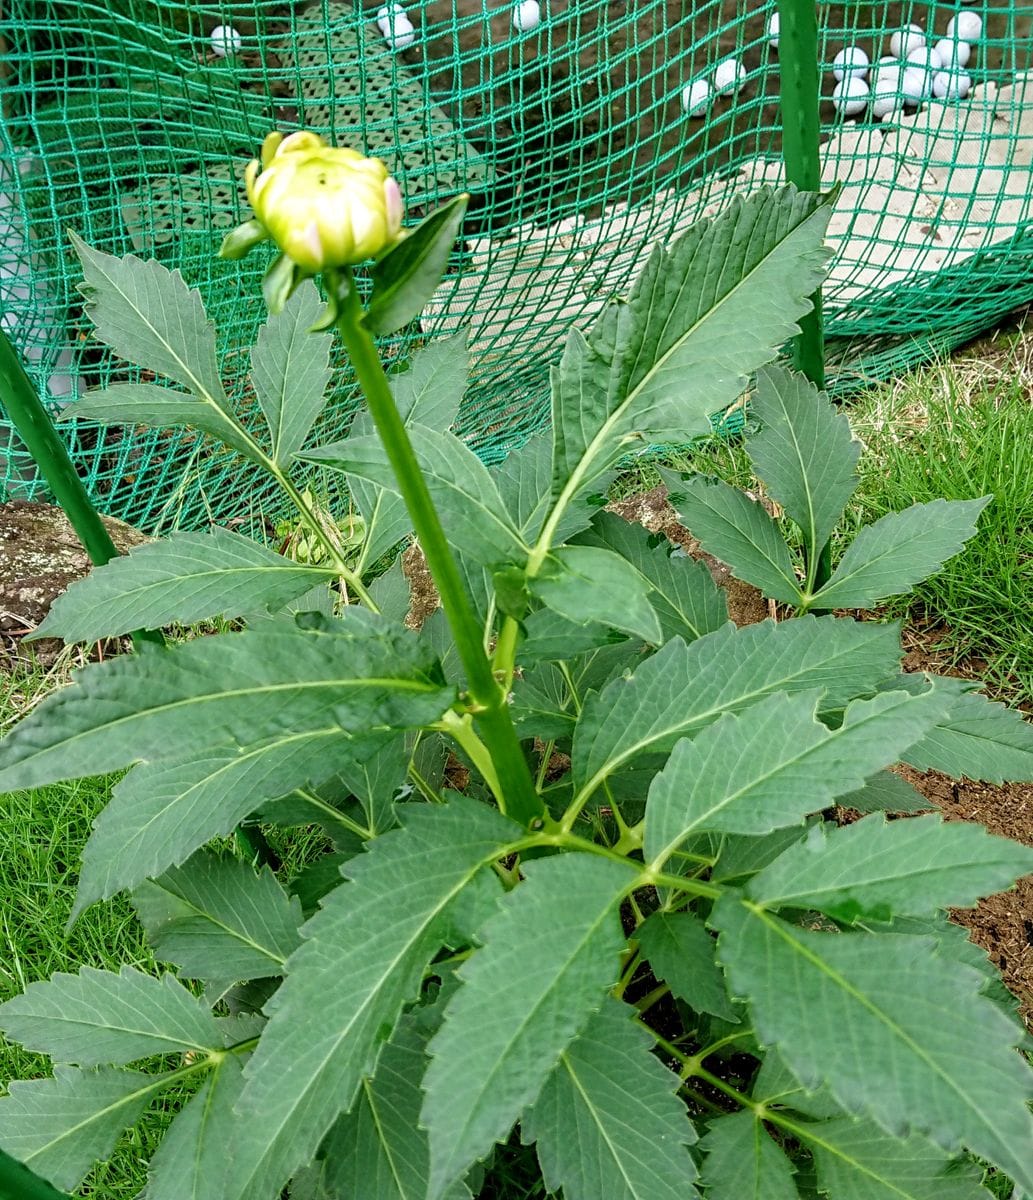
(324, 206)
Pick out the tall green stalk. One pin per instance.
(517, 795)
(34, 426)
(799, 91)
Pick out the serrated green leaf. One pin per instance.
(98, 1017)
(525, 480)
(230, 689)
(887, 792)
(738, 531)
(856, 1160)
(161, 812)
(364, 956)
(685, 597)
(312, 883)
(776, 762)
(59, 1127)
(458, 482)
(681, 689)
(701, 315)
(739, 856)
(506, 1027)
(899, 550)
(407, 276)
(743, 1162)
(875, 867)
(290, 371)
(804, 452)
(979, 739)
(587, 584)
(775, 1086)
(552, 638)
(148, 316)
(680, 951)
(192, 1161)
(186, 577)
(926, 1052)
(219, 920)
(161, 408)
(607, 1122)
(378, 1151)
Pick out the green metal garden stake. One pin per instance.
(21, 403)
(800, 88)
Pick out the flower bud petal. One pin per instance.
(238, 242)
(324, 206)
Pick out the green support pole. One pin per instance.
(800, 89)
(17, 1182)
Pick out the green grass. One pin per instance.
(959, 431)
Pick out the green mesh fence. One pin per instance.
(120, 120)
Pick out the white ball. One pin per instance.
(954, 52)
(887, 70)
(695, 97)
(914, 86)
(906, 40)
(886, 99)
(729, 76)
(926, 62)
(400, 34)
(773, 24)
(851, 60)
(850, 96)
(386, 14)
(527, 15)
(951, 85)
(226, 40)
(967, 26)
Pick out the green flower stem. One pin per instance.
(517, 796)
(460, 729)
(50, 454)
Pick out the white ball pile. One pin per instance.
(226, 41)
(911, 74)
(396, 27)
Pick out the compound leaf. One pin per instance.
(856, 1160)
(363, 957)
(607, 1122)
(192, 1161)
(459, 484)
(736, 530)
(290, 371)
(700, 316)
(899, 550)
(878, 868)
(776, 762)
(506, 1027)
(979, 739)
(378, 1151)
(681, 952)
(186, 577)
(98, 1017)
(681, 688)
(161, 812)
(588, 584)
(148, 316)
(887, 792)
(59, 1127)
(231, 689)
(219, 920)
(804, 452)
(684, 595)
(925, 1052)
(743, 1162)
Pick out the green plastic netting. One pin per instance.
(120, 120)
